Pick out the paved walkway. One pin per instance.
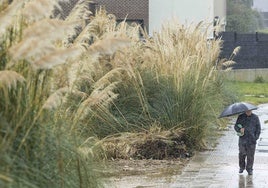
(217, 168)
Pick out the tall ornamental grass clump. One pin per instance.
(39, 146)
(182, 88)
(169, 79)
(68, 85)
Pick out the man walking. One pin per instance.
(249, 128)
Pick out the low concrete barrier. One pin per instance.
(247, 75)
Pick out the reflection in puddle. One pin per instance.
(245, 181)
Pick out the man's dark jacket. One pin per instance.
(252, 128)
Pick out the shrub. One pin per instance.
(259, 79)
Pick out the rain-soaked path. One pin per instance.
(213, 169)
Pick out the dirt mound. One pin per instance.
(154, 144)
(160, 149)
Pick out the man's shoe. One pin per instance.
(250, 172)
(241, 171)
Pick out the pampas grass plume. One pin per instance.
(228, 63)
(236, 50)
(10, 78)
(8, 15)
(39, 9)
(33, 44)
(57, 58)
(55, 99)
(109, 45)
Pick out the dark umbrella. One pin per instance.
(237, 108)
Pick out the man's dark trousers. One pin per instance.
(246, 151)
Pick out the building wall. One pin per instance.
(130, 9)
(220, 8)
(220, 11)
(154, 13)
(187, 12)
(261, 5)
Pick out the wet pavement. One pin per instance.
(217, 168)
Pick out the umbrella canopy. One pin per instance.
(237, 108)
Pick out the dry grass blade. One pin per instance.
(55, 99)
(10, 78)
(2, 2)
(178, 50)
(57, 58)
(49, 28)
(9, 14)
(5, 178)
(80, 11)
(102, 23)
(235, 52)
(129, 145)
(86, 151)
(109, 45)
(100, 97)
(84, 37)
(58, 97)
(39, 9)
(108, 77)
(33, 45)
(228, 63)
(74, 73)
(228, 69)
(80, 94)
(83, 71)
(30, 49)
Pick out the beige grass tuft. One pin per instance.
(125, 145)
(109, 45)
(102, 96)
(49, 28)
(102, 23)
(80, 11)
(55, 99)
(36, 10)
(235, 52)
(6, 178)
(39, 39)
(82, 70)
(228, 63)
(30, 49)
(9, 78)
(57, 58)
(9, 15)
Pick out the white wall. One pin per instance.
(220, 8)
(186, 11)
(261, 5)
(220, 11)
